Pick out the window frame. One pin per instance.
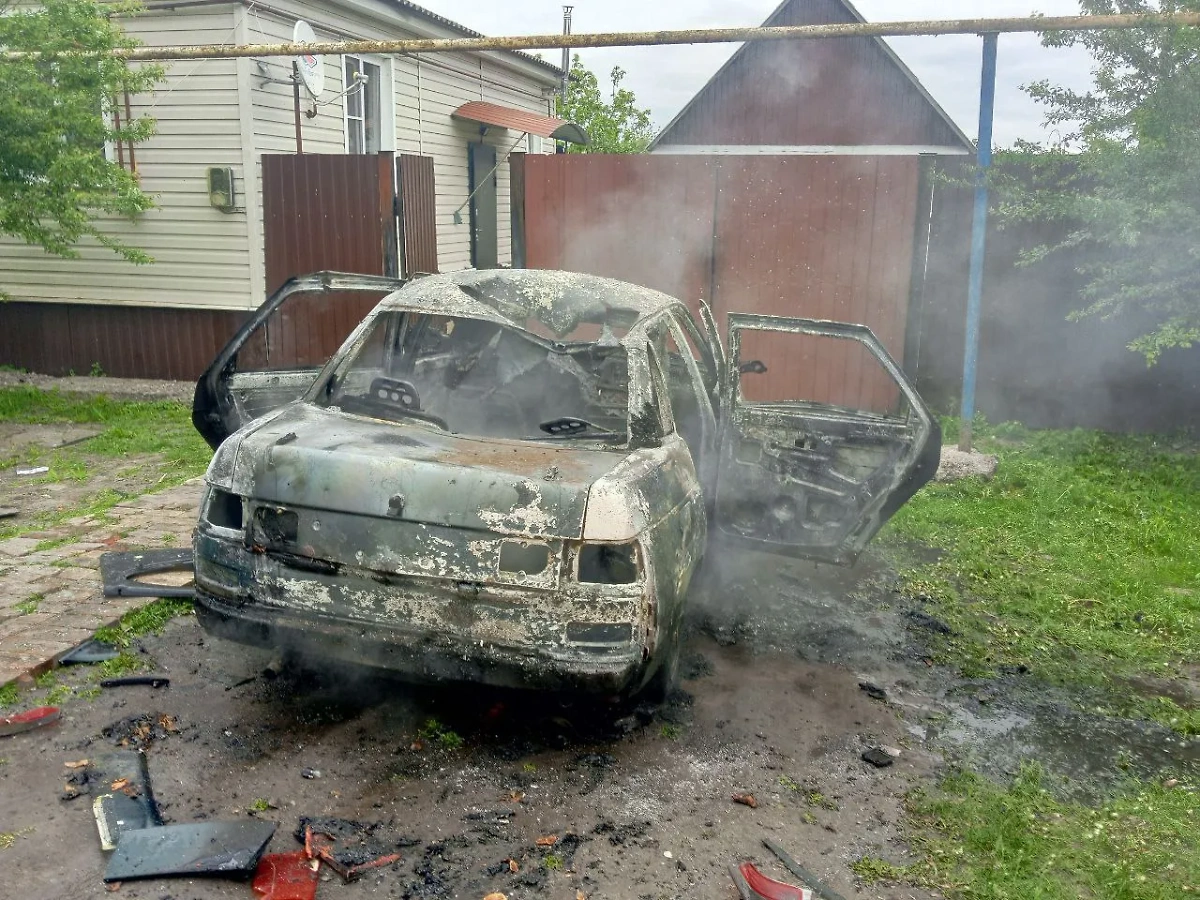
(386, 125)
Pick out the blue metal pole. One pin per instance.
(987, 103)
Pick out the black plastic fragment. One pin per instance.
(154, 681)
(872, 690)
(877, 757)
(201, 848)
(130, 804)
(90, 651)
(118, 570)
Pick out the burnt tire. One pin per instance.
(665, 677)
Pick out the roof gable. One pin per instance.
(830, 92)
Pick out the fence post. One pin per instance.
(987, 103)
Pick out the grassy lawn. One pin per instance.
(1080, 560)
(983, 842)
(131, 429)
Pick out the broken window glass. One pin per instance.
(483, 378)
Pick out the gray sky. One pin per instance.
(665, 78)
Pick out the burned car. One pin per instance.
(512, 476)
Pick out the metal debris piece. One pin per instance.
(90, 651)
(878, 757)
(29, 720)
(872, 690)
(126, 801)
(154, 681)
(770, 889)
(310, 773)
(820, 888)
(119, 571)
(286, 876)
(35, 470)
(746, 800)
(201, 848)
(348, 847)
(7, 512)
(739, 880)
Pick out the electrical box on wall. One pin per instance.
(222, 194)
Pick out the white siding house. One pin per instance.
(227, 113)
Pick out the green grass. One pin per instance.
(979, 841)
(161, 428)
(434, 732)
(29, 605)
(54, 543)
(124, 663)
(1079, 560)
(148, 619)
(9, 695)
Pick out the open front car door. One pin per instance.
(823, 440)
(277, 354)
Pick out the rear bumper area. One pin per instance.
(427, 628)
(422, 658)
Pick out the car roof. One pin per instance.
(561, 301)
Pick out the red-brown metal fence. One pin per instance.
(819, 237)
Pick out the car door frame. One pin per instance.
(918, 467)
(213, 403)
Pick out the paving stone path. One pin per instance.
(52, 598)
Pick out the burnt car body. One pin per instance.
(510, 477)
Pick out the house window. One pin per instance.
(364, 119)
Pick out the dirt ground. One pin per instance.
(42, 493)
(117, 388)
(639, 800)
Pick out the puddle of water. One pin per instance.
(1085, 754)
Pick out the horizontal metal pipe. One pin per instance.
(658, 38)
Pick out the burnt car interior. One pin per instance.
(832, 448)
(482, 378)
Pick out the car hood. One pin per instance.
(307, 456)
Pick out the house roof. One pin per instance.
(773, 19)
(463, 30)
(413, 9)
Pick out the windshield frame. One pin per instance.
(639, 379)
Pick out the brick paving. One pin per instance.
(66, 577)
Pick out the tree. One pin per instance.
(55, 180)
(615, 125)
(1122, 177)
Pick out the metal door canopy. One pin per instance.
(202, 848)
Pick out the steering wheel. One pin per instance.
(402, 394)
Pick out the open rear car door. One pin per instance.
(279, 351)
(823, 440)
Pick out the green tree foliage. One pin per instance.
(1122, 176)
(55, 182)
(615, 124)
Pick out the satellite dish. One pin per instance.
(312, 68)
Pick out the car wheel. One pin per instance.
(662, 682)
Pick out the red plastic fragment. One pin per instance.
(769, 888)
(285, 876)
(27, 721)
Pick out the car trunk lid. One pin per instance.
(326, 460)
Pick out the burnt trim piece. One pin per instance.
(202, 848)
(118, 571)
